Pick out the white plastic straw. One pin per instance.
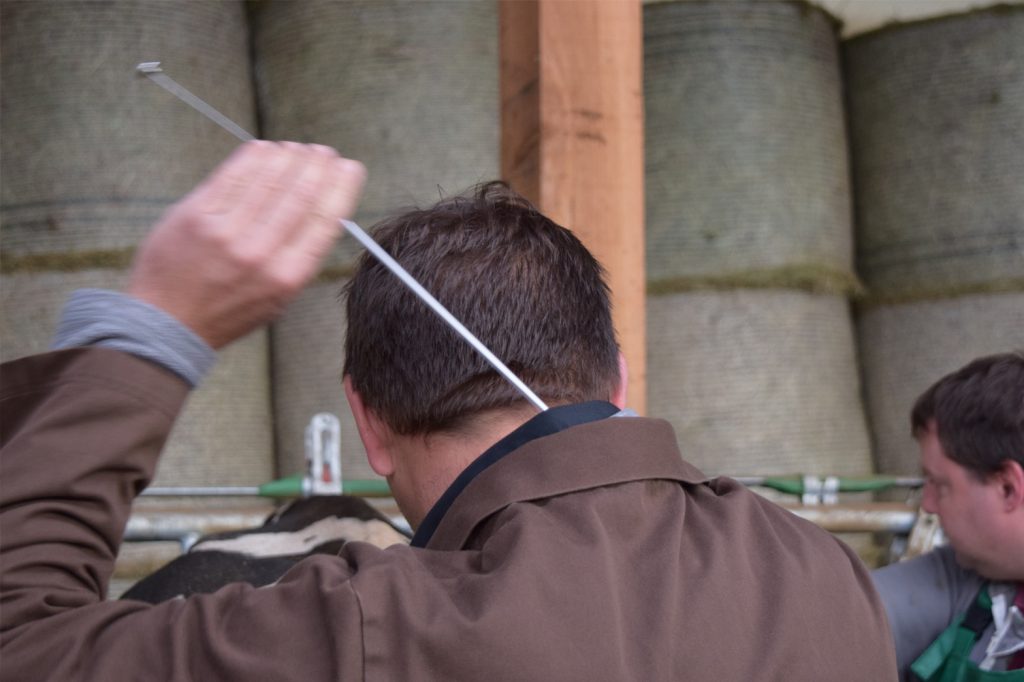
(153, 72)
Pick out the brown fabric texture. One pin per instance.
(596, 553)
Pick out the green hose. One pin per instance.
(794, 484)
(291, 486)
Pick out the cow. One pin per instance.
(260, 556)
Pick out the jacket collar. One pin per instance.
(562, 450)
(546, 423)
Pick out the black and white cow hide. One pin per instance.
(260, 556)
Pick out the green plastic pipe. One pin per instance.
(794, 484)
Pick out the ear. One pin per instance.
(618, 397)
(372, 431)
(1010, 478)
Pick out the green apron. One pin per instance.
(947, 659)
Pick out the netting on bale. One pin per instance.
(746, 145)
(758, 382)
(749, 246)
(938, 153)
(91, 155)
(410, 89)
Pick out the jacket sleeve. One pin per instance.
(80, 434)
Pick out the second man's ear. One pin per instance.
(372, 431)
(1011, 481)
(618, 396)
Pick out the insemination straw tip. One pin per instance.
(149, 67)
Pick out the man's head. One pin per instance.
(525, 286)
(970, 427)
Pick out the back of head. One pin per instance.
(523, 285)
(978, 412)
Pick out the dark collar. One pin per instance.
(546, 423)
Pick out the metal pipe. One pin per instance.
(290, 486)
(203, 491)
(794, 484)
(154, 525)
(859, 518)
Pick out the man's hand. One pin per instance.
(228, 257)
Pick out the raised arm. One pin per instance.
(82, 430)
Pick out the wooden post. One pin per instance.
(572, 138)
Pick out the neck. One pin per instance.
(436, 460)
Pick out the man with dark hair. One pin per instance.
(571, 544)
(529, 287)
(956, 612)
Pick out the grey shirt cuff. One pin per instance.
(96, 317)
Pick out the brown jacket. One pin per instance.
(595, 553)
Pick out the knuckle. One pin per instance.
(288, 282)
(218, 240)
(273, 186)
(246, 256)
(306, 192)
(324, 150)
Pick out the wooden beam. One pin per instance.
(572, 138)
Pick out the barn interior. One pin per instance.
(808, 211)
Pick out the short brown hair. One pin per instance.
(978, 411)
(525, 286)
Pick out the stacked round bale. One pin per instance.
(749, 239)
(937, 143)
(410, 89)
(91, 156)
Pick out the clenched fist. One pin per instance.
(229, 256)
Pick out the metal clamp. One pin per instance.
(323, 456)
(820, 491)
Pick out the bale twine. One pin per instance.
(91, 155)
(906, 348)
(410, 89)
(749, 246)
(761, 382)
(938, 153)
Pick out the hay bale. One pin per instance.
(91, 155)
(938, 152)
(410, 89)
(746, 166)
(758, 382)
(748, 210)
(906, 348)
